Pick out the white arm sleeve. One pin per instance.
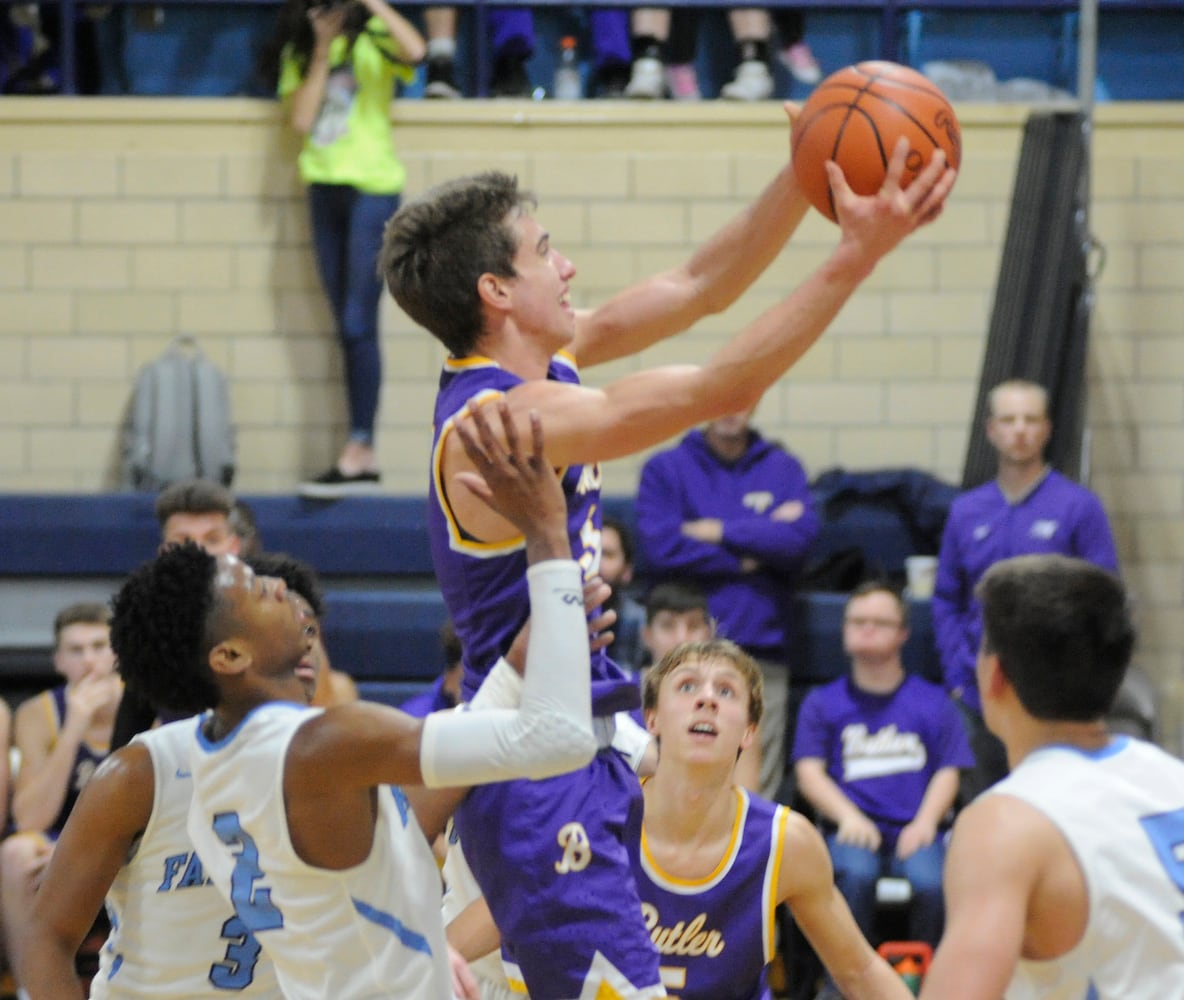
(552, 730)
(630, 740)
(502, 688)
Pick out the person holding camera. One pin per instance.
(335, 65)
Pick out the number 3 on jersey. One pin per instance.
(1166, 832)
(253, 905)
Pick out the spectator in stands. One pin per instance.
(62, 735)
(445, 690)
(664, 48)
(336, 67)
(201, 511)
(877, 754)
(1027, 508)
(616, 569)
(677, 612)
(243, 524)
(512, 39)
(732, 511)
(440, 79)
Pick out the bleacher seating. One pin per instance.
(383, 610)
(209, 47)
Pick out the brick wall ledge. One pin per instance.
(63, 110)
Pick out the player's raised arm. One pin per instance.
(551, 731)
(715, 275)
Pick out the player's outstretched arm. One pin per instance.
(807, 887)
(551, 732)
(716, 274)
(111, 812)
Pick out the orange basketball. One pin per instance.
(855, 117)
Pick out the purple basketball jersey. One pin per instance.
(483, 583)
(550, 856)
(716, 935)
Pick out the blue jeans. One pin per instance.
(347, 235)
(856, 872)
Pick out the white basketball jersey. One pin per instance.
(461, 889)
(370, 931)
(1121, 809)
(172, 933)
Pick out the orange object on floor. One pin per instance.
(909, 958)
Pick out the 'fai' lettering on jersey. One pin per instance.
(188, 867)
(683, 938)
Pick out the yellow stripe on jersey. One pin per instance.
(456, 537)
(472, 361)
(780, 820)
(673, 881)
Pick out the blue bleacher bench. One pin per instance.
(383, 609)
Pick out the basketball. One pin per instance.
(855, 117)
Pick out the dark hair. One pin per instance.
(292, 28)
(623, 533)
(1062, 631)
(436, 247)
(881, 587)
(162, 629)
(677, 597)
(193, 496)
(82, 613)
(243, 524)
(297, 574)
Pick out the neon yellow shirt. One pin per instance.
(351, 141)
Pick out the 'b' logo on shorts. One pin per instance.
(577, 852)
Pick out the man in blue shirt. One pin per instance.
(1028, 508)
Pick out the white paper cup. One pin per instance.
(922, 575)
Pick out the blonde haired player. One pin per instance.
(715, 860)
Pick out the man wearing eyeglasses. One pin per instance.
(877, 754)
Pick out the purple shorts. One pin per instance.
(551, 858)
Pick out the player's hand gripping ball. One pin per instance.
(855, 117)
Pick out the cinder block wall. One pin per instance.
(123, 223)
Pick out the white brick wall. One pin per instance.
(125, 222)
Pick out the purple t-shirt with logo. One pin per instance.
(882, 750)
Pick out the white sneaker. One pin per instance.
(753, 82)
(647, 80)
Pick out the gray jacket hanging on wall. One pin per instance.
(179, 424)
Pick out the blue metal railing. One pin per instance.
(892, 13)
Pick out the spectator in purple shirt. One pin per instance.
(731, 512)
(877, 754)
(1027, 509)
(445, 691)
